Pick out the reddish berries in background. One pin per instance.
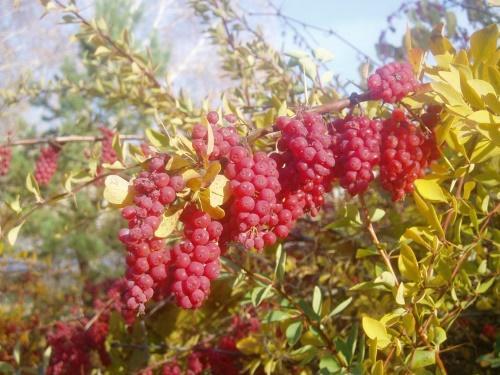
(46, 165)
(356, 146)
(5, 159)
(108, 154)
(406, 153)
(392, 82)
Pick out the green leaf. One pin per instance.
(277, 316)
(260, 293)
(430, 189)
(423, 358)
(328, 365)
(157, 139)
(6, 368)
(317, 300)
(293, 332)
(407, 263)
(483, 287)
(439, 336)
(340, 307)
(376, 330)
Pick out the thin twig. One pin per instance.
(67, 139)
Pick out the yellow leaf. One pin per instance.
(430, 189)
(484, 150)
(214, 212)
(376, 330)
(212, 171)
(189, 174)
(219, 191)
(483, 44)
(195, 183)
(484, 117)
(116, 190)
(249, 345)
(407, 263)
(416, 58)
(448, 94)
(177, 162)
(169, 222)
(13, 233)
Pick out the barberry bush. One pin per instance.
(274, 230)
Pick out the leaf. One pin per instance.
(157, 139)
(322, 54)
(376, 330)
(219, 191)
(260, 293)
(293, 332)
(6, 368)
(116, 190)
(177, 162)
(277, 316)
(317, 300)
(400, 294)
(279, 270)
(309, 67)
(13, 233)
(340, 307)
(169, 222)
(407, 263)
(483, 44)
(430, 189)
(214, 212)
(210, 139)
(33, 187)
(439, 336)
(101, 51)
(377, 215)
(423, 358)
(15, 205)
(328, 365)
(249, 345)
(483, 287)
(212, 171)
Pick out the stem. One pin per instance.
(371, 231)
(67, 139)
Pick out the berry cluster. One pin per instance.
(46, 165)
(356, 146)
(108, 154)
(195, 261)
(148, 256)
(305, 162)
(392, 82)
(406, 152)
(72, 347)
(5, 158)
(254, 216)
(224, 137)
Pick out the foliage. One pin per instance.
(365, 286)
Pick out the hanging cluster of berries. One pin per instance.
(195, 261)
(406, 153)
(46, 165)
(148, 256)
(254, 216)
(356, 146)
(305, 162)
(108, 154)
(392, 82)
(225, 137)
(5, 158)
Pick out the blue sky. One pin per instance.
(359, 21)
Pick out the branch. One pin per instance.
(67, 139)
(371, 231)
